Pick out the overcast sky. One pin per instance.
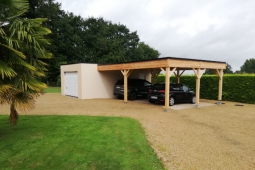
(218, 30)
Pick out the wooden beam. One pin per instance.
(178, 75)
(163, 63)
(129, 72)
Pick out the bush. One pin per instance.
(236, 87)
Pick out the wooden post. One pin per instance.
(197, 86)
(220, 75)
(155, 73)
(178, 75)
(126, 73)
(198, 76)
(167, 88)
(167, 85)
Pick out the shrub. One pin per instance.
(236, 87)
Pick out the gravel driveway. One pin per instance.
(212, 137)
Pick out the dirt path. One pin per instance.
(213, 137)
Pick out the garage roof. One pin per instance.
(172, 62)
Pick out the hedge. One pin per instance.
(236, 87)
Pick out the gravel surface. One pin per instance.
(212, 137)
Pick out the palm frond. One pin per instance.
(6, 71)
(13, 8)
(12, 60)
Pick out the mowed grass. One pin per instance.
(75, 142)
(53, 90)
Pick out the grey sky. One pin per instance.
(220, 30)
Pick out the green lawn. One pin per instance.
(53, 90)
(75, 142)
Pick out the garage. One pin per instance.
(71, 84)
(97, 80)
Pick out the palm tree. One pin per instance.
(21, 50)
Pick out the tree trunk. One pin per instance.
(13, 115)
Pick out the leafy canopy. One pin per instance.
(248, 66)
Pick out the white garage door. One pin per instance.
(71, 84)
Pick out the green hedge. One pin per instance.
(236, 87)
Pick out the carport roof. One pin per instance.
(172, 62)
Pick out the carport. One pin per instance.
(169, 65)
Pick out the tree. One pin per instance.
(106, 42)
(22, 46)
(228, 69)
(248, 66)
(75, 39)
(145, 52)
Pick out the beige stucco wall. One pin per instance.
(137, 73)
(93, 84)
(98, 84)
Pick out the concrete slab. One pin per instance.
(187, 105)
(180, 106)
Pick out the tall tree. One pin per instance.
(145, 52)
(228, 69)
(22, 45)
(106, 42)
(75, 39)
(248, 66)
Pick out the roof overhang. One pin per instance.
(172, 62)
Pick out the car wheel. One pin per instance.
(132, 96)
(193, 100)
(171, 101)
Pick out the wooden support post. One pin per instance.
(126, 73)
(220, 75)
(198, 76)
(178, 75)
(167, 85)
(154, 73)
(197, 87)
(167, 91)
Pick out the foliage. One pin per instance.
(75, 142)
(248, 66)
(75, 39)
(22, 46)
(145, 52)
(236, 87)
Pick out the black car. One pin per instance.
(178, 93)
(136, 87)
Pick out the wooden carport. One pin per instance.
(170, 65)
